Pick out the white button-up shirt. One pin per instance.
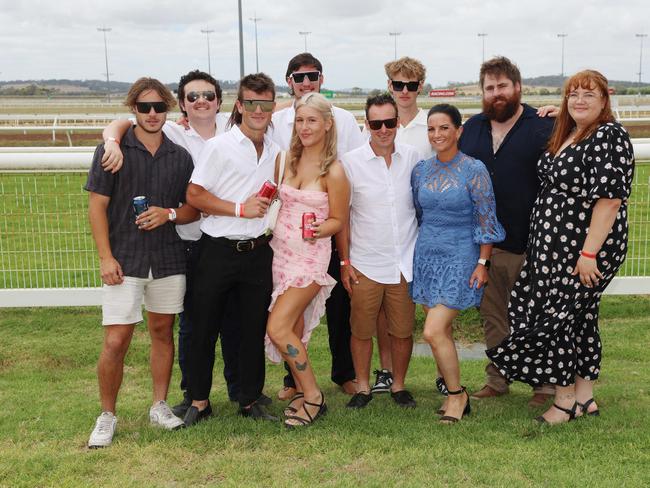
(194, 143)
(229, 169)
(348, 135)
(383, 227)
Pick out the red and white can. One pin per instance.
(308, 218)
(268, 190)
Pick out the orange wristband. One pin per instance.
(588, 254)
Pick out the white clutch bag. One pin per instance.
(274, 208)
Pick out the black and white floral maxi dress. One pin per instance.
(553, 317)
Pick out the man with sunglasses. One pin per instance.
(305, 75)
(377, 249)
(140, 256)
(199, 98)
(234, 259)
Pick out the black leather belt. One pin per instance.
(244, 245)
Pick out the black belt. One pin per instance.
(244, 245)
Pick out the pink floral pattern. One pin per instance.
(298, 263)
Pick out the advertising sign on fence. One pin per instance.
(443, 93)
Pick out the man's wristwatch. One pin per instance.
(484, 262)
(171, 214)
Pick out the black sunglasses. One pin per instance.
(265, 105)
(389, 123)
(145, 107)
(193, 96)
(299, 76)
(410, 85)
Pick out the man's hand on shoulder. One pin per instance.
(113, 158)
(548, 111)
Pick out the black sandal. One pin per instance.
(571, 412)
(306, 422)
(585, 406)
(448, 419)
(290, 409)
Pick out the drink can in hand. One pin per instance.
(308, 218)
(268, 190)
(140, 204)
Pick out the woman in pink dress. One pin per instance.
(314, 181)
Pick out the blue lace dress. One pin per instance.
(455, 208)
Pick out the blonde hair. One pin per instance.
(409, 67)
(329, 154)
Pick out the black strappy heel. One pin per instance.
(585, 406)
(571, 412)
(448, 419)
(290, 409)
(306, 422)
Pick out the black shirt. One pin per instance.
(513, 169)
(163, 179)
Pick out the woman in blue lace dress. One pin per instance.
(455, 209)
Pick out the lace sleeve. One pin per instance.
(487, 229)
(415, 187)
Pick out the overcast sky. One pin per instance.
(163, 39)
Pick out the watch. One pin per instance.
(171, 214)
(484, 262)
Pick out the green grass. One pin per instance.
(49, 403)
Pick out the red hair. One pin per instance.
(588, 79)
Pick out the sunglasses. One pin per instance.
(145, 107)
(410, 85)
(389, 123)
(251, 105)
(299, 76)
(193, 96)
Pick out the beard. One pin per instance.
(503, 112)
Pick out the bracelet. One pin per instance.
(241, 210)
(345, 262)
(172, 214)
(237, 209)
(588, 254)
(112, 139)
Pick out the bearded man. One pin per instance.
(509, 137)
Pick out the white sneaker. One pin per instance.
(102, 434)
(161, 415)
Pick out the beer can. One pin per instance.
(308, 218)
(268, 189)
(140, 204)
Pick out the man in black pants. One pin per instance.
(234, 255)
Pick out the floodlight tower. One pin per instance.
(304, 34)
(104, 30)
(207, 33)
(255, 19)
(562, 36)
(394, 35)
(483, 35)
(640, 36)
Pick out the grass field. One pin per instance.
(49, 403)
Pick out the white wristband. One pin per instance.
(237, 209)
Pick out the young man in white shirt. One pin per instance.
(234, 254)
(305, 75)
(199, 98)
(377, 249)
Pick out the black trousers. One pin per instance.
(221, 269)
(337, 309)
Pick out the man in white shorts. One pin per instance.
(140, 256)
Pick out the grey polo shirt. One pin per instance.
(163, 179)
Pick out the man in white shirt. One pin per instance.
(377, 249)
(305, 75)
(234, 254)
(199, 98)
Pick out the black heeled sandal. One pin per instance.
(585, 406)
(306, 422)
(290, 409)
(448, 419)
(571, 412)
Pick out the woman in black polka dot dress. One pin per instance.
(578, 241)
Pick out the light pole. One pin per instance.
(104, 30)
(304, 34)
(640, 36)
(257, 59)
(562, 36)
(207, 33)
(241, 43)
(483, 35)
(394, 36)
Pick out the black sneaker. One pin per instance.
(194, 416)
(257, 412)
(383, 381)
(181, 409)
(359, 400)
(403, 398)
(264, 400)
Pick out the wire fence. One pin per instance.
(45, 239)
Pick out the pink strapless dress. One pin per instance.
(298, 263)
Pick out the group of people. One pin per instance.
(417, 208)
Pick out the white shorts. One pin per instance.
(122, 304)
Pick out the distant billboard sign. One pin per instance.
(442, 93)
